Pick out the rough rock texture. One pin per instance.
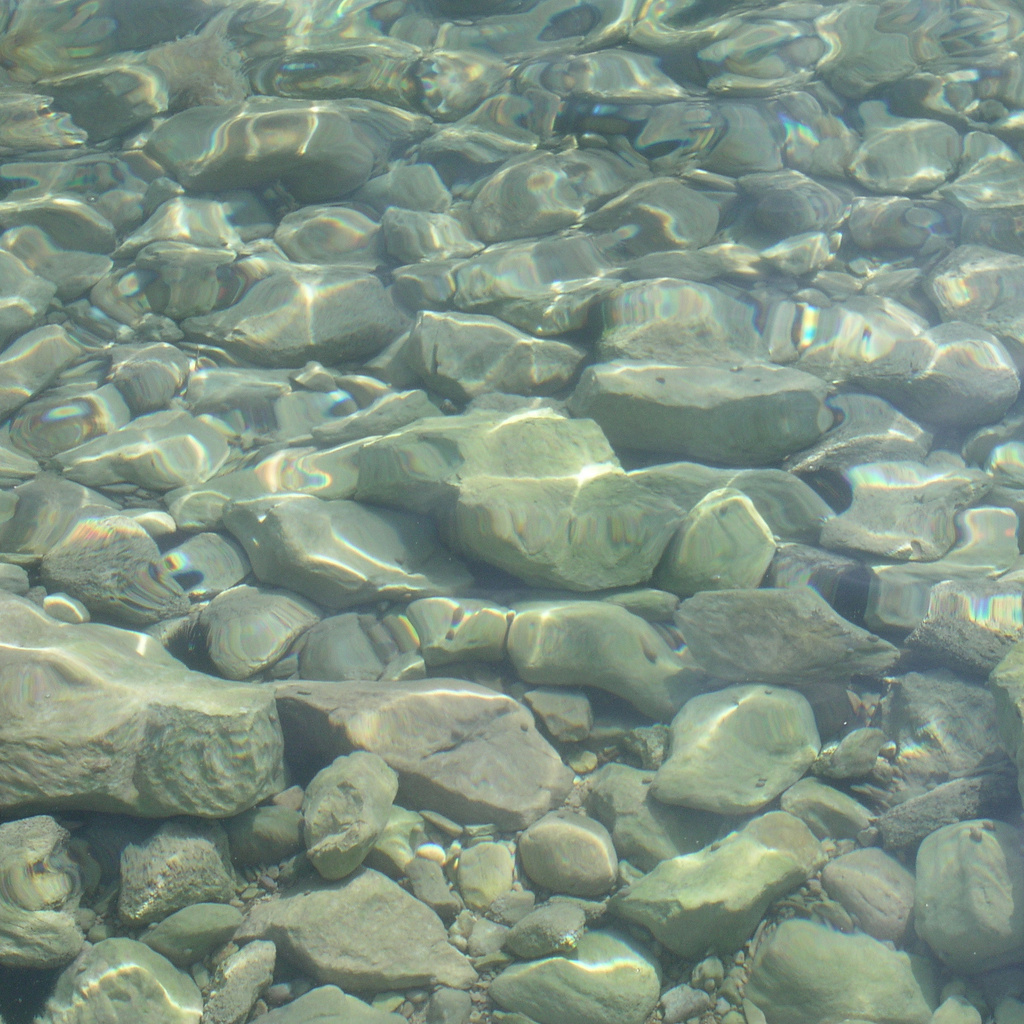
(475, 754)
(182, 742)
(366, 935)
(808, 973)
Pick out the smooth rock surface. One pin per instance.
(736, 749)
(569, 854)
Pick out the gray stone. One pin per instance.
(594, 643)
(120, 981)
(32, 362)
(715, 898)
(385, 414)
(722, 544)
(736, 749)
(611, 981)
(868, 430)
(303, 312)
(749, 417)
(414, 235)
(344, 811)
(264, 835)
(806, 973)
(240, 980)
(206, 565)
(249, 629)
(566, 715)
(327, 1004)
(114, 568)
(785, 635)
(339, 648)
(853, 757)
(970, 625)
(683, 1002)
(365, 934)
(475, 754)
(875, 889)
(485, 873)
(184, 862)
(430, 886)
(645, 831)
(186, 743)
(969, 899)
(462, 629)
(676, 322)
(827, 812)
(158, 451)
(330, 234)
(790, 507)
(39, 896)
(956, 1010)
(903, 510)
(190, 934)
(461, 356)
(449, 1006)
(569, 853)
(341, 554)
(987, 791)
(25, 297)
(555, 928)
(1007, 686)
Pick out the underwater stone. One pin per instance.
(748, 416)
(806, 973)
(344, 811)
(476, 755)
(594, 643)
(722, 544)
(714, 898)
(40, 888)
(188, 743)
(875, 888)
(611, 980)
(134, 981)
(366, 934)
(736, 749)
(569, 853)
(969, 898)
(788, 636)
(341, 554)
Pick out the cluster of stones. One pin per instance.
(511, 516)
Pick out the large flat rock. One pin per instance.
(98, 718)
(459, 748)
(366, 935)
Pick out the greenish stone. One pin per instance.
(784, 635)
(593, 643)
(1007, 686)
(611, 981)
(645, 831)
(459, 629)
(366, 934)
(792, 510)
(555, 928)
(715, 898)
(826, 811)
(734, 750)
(120, 981)
(41, 890)
(344, 811)
(340, 553)
(463, 355)
(969, 899)
(755, 415)
(32, 362)
(722, 544)
(396, 845)
(187, 743)
(807, 973)
(566, 715)
(327, 1004)
(190, 934)
(569, 853)
(853, 757)
(485, 873)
